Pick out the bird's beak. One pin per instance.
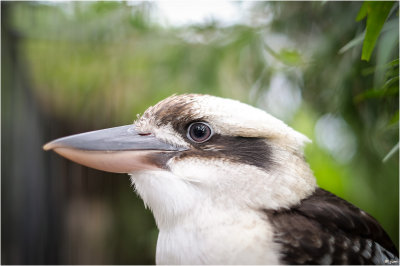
(119, 149)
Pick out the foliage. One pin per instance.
(377, 13)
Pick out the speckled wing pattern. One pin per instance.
(325, 229)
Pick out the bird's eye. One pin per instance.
(199, 132)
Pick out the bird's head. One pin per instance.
(191, 149)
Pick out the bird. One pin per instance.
(228, 183)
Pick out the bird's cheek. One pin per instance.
(161, 159)
(113, 161)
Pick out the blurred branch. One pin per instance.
(356, 41)
(391, 153)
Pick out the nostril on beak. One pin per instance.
(144, 134)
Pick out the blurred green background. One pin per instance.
(70, 67)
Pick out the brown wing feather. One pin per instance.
(325, 229)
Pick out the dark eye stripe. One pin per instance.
(250, 151)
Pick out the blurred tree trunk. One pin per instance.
(28, 228)
(47, 217)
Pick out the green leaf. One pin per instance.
(286, 56)
(377, 13)
(377, 93)
(363, 11)
(390, 69)
(393, 63)
(290, 57)
(390, 88)
(360, 38)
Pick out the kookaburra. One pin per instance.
(228, 184)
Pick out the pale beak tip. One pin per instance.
(48, 146)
